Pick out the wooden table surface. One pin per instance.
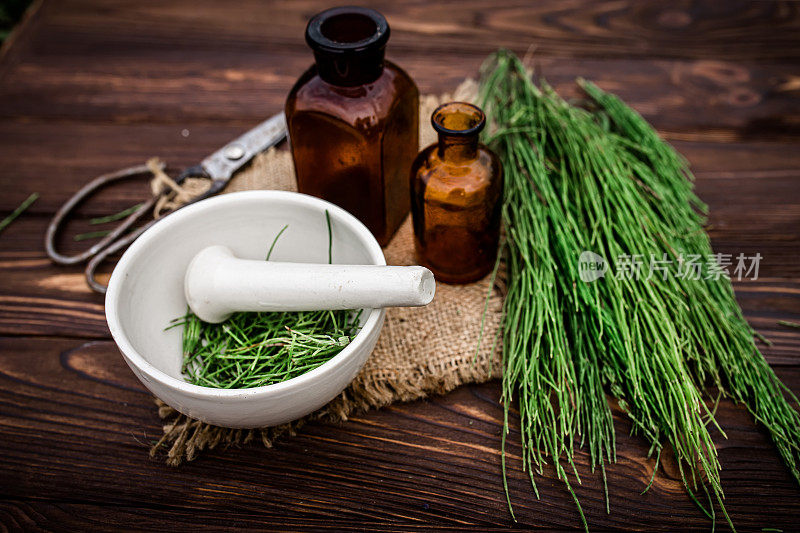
(87, 86)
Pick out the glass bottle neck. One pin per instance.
(458, 148)
(349, 70)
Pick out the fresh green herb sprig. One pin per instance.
(600, 179)
(257, 349)
(18, 211)
(105, 220)
(91, 235)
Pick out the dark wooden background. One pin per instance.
(89, 86)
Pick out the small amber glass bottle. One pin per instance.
(456, 196)
(353, 120)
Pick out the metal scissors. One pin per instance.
(219, 167)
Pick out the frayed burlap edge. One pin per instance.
(189, 437)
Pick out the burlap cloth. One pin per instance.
(421, 351)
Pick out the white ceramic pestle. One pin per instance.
(217, 284)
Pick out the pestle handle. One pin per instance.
(217, 284)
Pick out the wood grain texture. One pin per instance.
(88, 86)
(76, 427)
(735, 29)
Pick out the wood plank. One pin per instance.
(739, 29)
(59, 167)
(75, 68)
(717, 99)
(73, 410)
(89, 150)
(78, 516)
(144, 86)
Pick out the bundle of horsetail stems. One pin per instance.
(256, 349)
(597, 177)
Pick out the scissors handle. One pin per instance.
(86, 191)
(102, 255)
(218, 167)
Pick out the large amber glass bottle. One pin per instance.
(353, 120)
(456, 197)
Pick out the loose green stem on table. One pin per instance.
(116, 216)
(18, 211)
(105, 220)
(91, 235)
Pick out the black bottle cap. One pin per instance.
(347, 30)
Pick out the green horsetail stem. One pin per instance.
(18, 211)
(257, 349)
(599, 178)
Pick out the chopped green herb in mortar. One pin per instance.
(256, 349)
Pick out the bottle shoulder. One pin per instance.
(484, 169)
(372, 101)
(402, 76)
(463, 183)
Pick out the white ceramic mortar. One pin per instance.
(146, 292)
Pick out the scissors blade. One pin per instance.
(221, 165)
